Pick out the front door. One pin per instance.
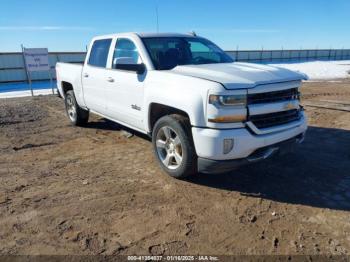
(125, 89)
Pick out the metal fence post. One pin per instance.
(51, 82)
(281, 55)
(342, 54)
(290, 55)
(24, 63)
(237, 53)
(27, 72)
(271, 55)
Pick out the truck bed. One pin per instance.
(69, 73)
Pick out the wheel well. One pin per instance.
(157, 111)
(66, 87)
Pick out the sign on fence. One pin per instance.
(37, 59)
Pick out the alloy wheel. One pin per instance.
(169, 147)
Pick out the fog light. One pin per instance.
(228, 145)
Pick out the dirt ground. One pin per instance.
(92, 190)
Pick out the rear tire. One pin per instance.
(77, 115)
(173, 146)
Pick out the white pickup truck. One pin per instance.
(204, 112)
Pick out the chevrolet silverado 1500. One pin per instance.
(204, 112)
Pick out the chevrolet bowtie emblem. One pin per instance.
(289, 106)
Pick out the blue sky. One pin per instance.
(68, 25)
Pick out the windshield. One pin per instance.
(169, 52)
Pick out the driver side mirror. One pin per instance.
(128, 64)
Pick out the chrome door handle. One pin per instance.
(86, 75)
(110, 79)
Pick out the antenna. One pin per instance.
(157, 16)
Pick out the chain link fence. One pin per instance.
(12, 65)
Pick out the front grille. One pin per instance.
(275, 96)
(275, 119)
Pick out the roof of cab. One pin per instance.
(144, 35)
(164, 35)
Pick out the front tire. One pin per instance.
(77, 115)
(173, 146)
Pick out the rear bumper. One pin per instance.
(220, 166)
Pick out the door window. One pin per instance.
(125, 52)
(99, 53)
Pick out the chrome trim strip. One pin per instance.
(259, 109)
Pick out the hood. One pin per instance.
(239, 75)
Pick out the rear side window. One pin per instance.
(99, 53)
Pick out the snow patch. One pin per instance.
(320, 70)
(25, 93)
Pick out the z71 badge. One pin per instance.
(136, 107)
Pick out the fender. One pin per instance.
(185, 93)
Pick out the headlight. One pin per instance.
(228, 100)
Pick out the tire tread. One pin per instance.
(82, 114)
(190, 166)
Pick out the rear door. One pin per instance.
(125, 89)
(94, 76)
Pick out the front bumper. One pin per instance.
(220, 166)
(209, 142)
